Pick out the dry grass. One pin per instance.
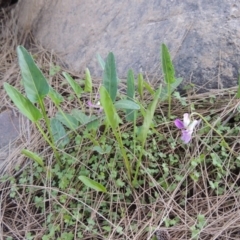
(19, 215)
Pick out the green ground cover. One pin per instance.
(122, 159)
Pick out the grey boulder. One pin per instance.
(203, 36)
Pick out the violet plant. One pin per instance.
(33, 107)
(187, 126)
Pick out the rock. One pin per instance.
(9, 127)
(6, 3)
(10, 124)
(203, 36)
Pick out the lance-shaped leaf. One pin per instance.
(23, 104)
(33, 156)
(167, 66)
(130, 85)
(109, 109)
(56, 97)
(92, 184)
(75, 86)
(149, 117)
(148, 87)
(88, 81)
(35, 84)
(126, 104)
(110, 80)
(101, 61)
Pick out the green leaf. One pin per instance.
(167, 66)
(195, 233)
(56, 97)
(110, 80)
(35, 84)
(238, 90)
(101, 61)
(74, 85)
(59, 134)
(130, 94)
(140, 85)
(126, 104)
(148, 87)
(88, 81)
(68, 120)
(119, 230)
(54, 69)
(92, 184)
(212, 185)
(23, 104)
(224, 144)
(82, 117)
(109, 109)
(101, 150)
(149, 117)
(130, 84)
(181, 99)
(164, 93)
(33, 156)
(201, 221)
(94, 124)
(105, 228)
(92, 121)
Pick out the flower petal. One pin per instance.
(186, 136)
(186, 120)
(89, 103)
(179, 124)
(192, 125)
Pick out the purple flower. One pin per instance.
(186, 126)
(97, 105)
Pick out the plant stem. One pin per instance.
(125, 158)
(50, 142)
(169, 100)
(46, 120)
(134, 134)
(138, 165)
